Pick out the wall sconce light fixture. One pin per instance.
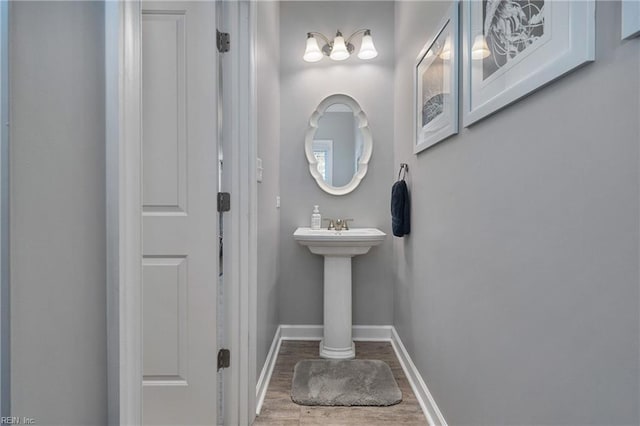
(480, 50)
(338, 49)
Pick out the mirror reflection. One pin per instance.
(338, 145)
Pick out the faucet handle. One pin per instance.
(345, 224)
(332, 225)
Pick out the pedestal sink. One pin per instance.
(338, 247)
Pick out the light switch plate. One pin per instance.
(259, 169)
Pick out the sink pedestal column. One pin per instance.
(337, 342)
(338, 247)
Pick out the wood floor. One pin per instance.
(278, 409)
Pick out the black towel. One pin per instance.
(400, 209)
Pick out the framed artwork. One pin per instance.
(514, 47)
(630, 18)
(436, 85)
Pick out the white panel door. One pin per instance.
(180, 246)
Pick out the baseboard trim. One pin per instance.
(427, 403)
(370, 333)
(300, 332)
(267, 369)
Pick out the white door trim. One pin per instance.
(240, 274)
(124, 218)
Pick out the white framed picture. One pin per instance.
(436, 84)
(514, 47)
(630, 18)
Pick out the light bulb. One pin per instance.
(367, 49)
(339, 50)
(312, 53)
(480, 50)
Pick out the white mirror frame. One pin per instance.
(363, 125)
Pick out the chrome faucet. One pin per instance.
(343, 224)
(338, 224)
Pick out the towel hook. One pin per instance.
(403, 167)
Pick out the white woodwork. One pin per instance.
(164, 292)
(423, 395)
(239, 178)
(164, 114)
(180, 250)
(267, 370)
(124, 200)
(124, 206)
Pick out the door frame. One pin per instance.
(124, 218)
(124, 212)
(240, 241)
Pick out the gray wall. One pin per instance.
(517, 291)
(303, 86)
(57, 213)
(268, 102)
(339, 127)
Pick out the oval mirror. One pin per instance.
(338, 144)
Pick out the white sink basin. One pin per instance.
(338, 247)
(352, 242)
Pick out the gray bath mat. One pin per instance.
(344, 383)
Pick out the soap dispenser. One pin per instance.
(316, 218)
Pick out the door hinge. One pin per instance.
(224, 358)
(223, 40)
(224, 201)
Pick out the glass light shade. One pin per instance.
(339, 51)
(312, 53)
(480, 50)
(446, 49)
(367, 49)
